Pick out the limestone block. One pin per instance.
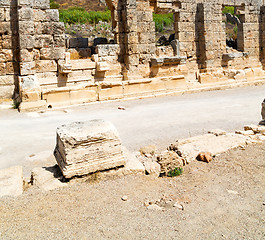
(26, 41)
(45, 179)
(83, 96)
(87, 147)
(110, 93)
(42, 4)
(26, 68)
(82, 64)
(107, 50)
(52, 53)
(102, 67)
(11, 181)
(52, 15)
(25, 14)
(45, 66)
(6, 92)
(57, 97)
(32, 106)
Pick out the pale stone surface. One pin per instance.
(87, 147)
(46, 179)
(152, 168)
(191, 147)
(11, 181)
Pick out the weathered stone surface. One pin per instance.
(152, 168)
(169, 160)
(191, 147)
(46, 179)
(205, 157)
(87, 147)
(11, 181)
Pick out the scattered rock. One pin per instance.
(191, 147)
(261, 130)
(11, 181)
(121, 108)
(132, 165)
(217, 132)
(179, 206)
(168, 161)
(124, 198)
(152, 168)
(232, 192)
(205, 157)
(252, 127)
(148, 150)
(155, 207)
(147, 203)
(245, 133)
(87, 147)
(47, 179)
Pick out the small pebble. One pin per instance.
(154, 207)
(124, 198)
(179, 206)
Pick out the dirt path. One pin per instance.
(224, 199)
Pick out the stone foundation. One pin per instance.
(38, 67)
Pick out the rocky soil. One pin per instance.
(223, 199)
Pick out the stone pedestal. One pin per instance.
(86, 147)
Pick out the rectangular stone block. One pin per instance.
(86, 147)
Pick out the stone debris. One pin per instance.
(121, 108)
(169, 160)
(47, 179)
(124, 198)
(217, 132)
(245, 133)
(148, 150)
(11, 181)
(179, 206)
(152, 168)
(86, 147)
(191, 147)
(205, 157)
(252, 127)
(155, 207)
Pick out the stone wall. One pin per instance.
(36, 64)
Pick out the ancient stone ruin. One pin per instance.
(40, 70)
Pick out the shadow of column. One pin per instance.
(261, 33)
(199, 36)
(15, 44)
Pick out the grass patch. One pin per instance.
(77, 15)
(176, 172)
(162, 21)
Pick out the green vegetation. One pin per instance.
(54, 5)
(15, 104)
(162, 21)
(176, 172)
(79, 15)
(229, 9)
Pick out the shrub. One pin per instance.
(229, 9)
(176, 172)
(54, 5)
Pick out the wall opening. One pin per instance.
(234, 18)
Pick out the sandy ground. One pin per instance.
(224, 199)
